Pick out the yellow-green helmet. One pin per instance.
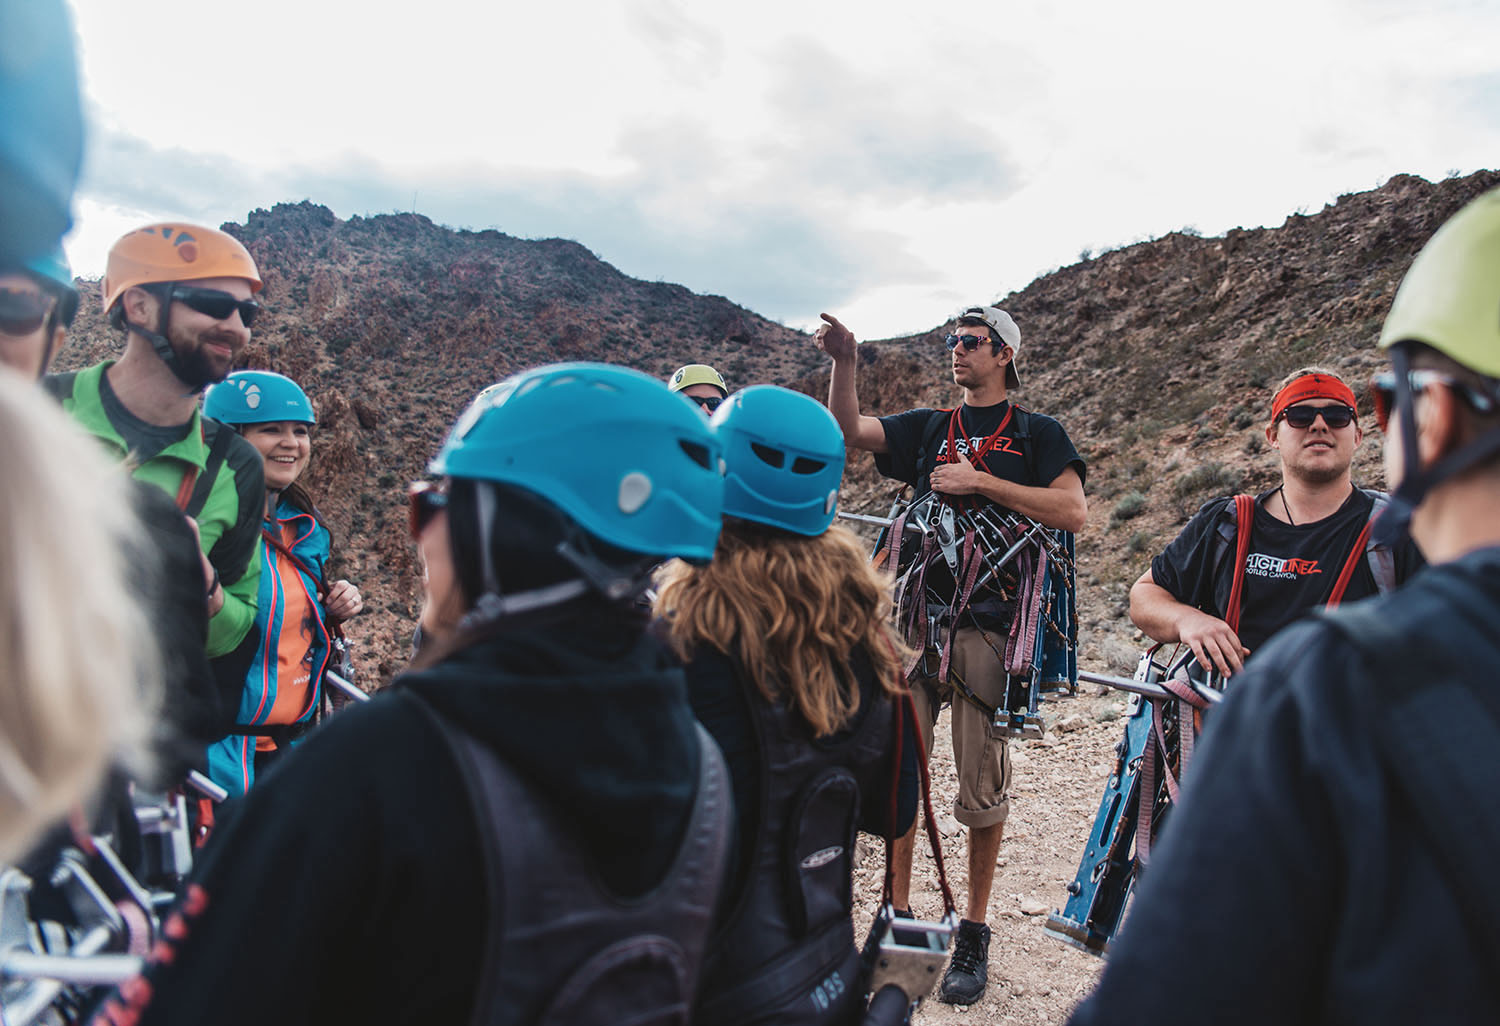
(696, 374)
(1450, 297)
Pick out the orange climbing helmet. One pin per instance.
(173, 251)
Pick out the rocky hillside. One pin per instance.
(393, 323)
(1158, 358)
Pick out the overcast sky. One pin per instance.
(889, 162)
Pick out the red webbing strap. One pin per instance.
(1189, 704)
(932, 830)
(1244, 519)
(976, 457)
(905, 706)
(1032, 567)
(955, 421)
(185, 489)
(890, 840)
(1146, 805)
(915, 630)
(1347, 573)
(190, 475)
(971, 564)
(1158, 727)
(893, 542)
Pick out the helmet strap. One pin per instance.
(161, 346)
(610, 581)
(492, 608)
(492, 605)
(1394, 523)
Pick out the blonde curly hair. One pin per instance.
(791, 610)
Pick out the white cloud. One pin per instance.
(892, 162)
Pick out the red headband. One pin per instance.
(1312, 386)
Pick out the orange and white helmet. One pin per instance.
(173, 251)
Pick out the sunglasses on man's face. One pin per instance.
(969, 342)
(216, 303)
(1383, 392)
(1302, 417)
(426, 500)
(708, 402)
(22, 311)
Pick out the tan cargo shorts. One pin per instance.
(981, 751)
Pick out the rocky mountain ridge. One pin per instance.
(1159, 359)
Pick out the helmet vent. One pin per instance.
(635, 489)
(774, 457)
(803, 465)
(696, 452)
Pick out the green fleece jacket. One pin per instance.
(230, 515)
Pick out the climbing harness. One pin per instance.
(951, 563)
(84, 919)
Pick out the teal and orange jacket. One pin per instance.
(285, 680)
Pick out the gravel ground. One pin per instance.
(1034, 980)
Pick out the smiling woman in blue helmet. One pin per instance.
(529, 826)
(297, 610)
(792, 665)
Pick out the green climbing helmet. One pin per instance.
(1450, 297)
(696, 374)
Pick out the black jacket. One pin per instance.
(348, 885)
(1300, 881)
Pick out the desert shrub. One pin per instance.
(1131, 504)
(1206, 477)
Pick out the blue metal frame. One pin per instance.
(1099, 894)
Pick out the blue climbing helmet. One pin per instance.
(784, 455)
(628, 461)
(55, 275)
(258, 397)
(41, 127)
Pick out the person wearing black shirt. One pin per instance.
(1330, 858)
(975, 453)
(1303, 534)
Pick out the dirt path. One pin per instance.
(1034, 980)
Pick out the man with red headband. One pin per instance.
(1309, 538)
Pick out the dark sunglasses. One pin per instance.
(1302, 417)
(426, 499)
(216, 303)
(1383, 392)
(969, 342)
(708, 402)
(22, 312)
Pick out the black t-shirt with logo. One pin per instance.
(917, 441)
(1289, 569)
(907, 434)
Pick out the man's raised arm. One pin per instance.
(843, 398)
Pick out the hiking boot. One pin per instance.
(969, 968)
